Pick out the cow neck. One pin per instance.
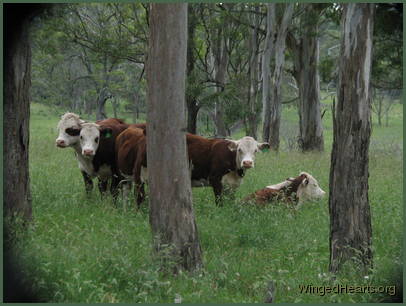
(86, 163)
(293, 187)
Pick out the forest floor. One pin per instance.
(85, 249)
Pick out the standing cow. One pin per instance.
(69, 127)
(218, 162)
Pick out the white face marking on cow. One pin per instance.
(89, 139)
(246, 148)
(68, 128)
(309, 189)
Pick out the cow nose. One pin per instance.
(60, 143)
(87, 152)
(247, 164)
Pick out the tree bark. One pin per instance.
(266, 69)
(253, 46)
(307, 76)
(191, 100)
(350, 219)
(17, 194)
(104, 95)
(276, 96)
(171, 211)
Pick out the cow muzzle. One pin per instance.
(61, 143)
(247, 164)
(88, 153)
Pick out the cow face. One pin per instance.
(246, 148)
(309, 189)
(90, 135)
(69, 129)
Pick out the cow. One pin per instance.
(69, 128)
(131, 154)
(293, 190)
(218, 162)
(213, 162)
(97, 157)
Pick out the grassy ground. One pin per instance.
(83, 249)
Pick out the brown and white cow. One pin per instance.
(218, 162)
(69, 128)
(213, 162)
(298, 189)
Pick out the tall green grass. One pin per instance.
(85, 249)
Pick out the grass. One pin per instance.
(84, 249)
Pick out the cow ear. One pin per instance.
(232, 146)
(305, 182)
(106, 132)
(72, 131)
(264, 146)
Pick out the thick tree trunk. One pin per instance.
(307, 77)
(171, 211)
(276, 96)
(350, 219)
(17, 72)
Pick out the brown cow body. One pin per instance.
(131, 155)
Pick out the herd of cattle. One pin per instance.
(115, 152)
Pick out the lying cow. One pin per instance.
(292, 190)
(218, 162)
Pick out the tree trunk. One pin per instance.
(220, 54)
(276, 97)
(253, 46)
(17, 195)
(171, 211)
(307, 77)
(350, 219)
(104, 95)
(191, 99)
(266, 70)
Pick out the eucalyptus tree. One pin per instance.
(171, 211)
(350, 218)
(303, 41)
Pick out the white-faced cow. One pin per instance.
(69, 128)
(215, 162)
(293, 190)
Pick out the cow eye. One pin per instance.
(81, 137)
(97, 139)
(239, 150)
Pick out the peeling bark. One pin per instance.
(350, 219)
(171, 211)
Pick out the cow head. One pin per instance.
(90, 136)
(246, 148)
(309, 189)
(69, 129)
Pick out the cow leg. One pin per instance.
(215, 182)
(88, 182)
(115, 181)
(102, 186)
(140, 189)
